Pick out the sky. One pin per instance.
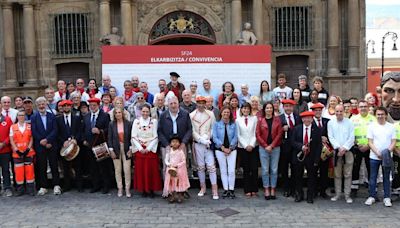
(382, 16)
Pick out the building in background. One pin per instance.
(382, 17)
(47, 40)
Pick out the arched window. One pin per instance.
(182, 24)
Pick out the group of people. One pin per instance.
(287, 130)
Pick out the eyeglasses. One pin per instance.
(140, 98)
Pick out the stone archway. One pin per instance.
(213, 16)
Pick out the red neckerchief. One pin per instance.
(92, 92)
(136, 89)
(128, 94)
(145, 94)
(354, 111)
(81, 90)
(61, 93)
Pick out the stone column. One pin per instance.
(354, 36)
(30, 45)
(258, 20)
(9, 46)
(105, 21)
(236, 19)
(126, 21)
(333, 37)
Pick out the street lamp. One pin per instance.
(394, 38)
(372, 42)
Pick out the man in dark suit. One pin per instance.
(175, 120)
(323, 166)
(95, 132)
(70, 127)
(289, 120)
(44, 131)
(307, 146)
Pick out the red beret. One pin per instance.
(94, 99)
(307, 113)
(200, 99)
(288, 101)
(66, 102)
(317, 105)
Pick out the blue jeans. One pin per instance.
(269, 166)
(374, 164)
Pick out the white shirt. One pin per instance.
(12, 113)
(341, 133)
(68, 116)
(57, 96)
(382, 136)
(291, 116)
(20, 127)
(285, 93)
(317, 121)
(308, 132)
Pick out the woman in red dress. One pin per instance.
(144, 145)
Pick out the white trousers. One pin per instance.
(227, 165)
(205, 160)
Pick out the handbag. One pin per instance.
(101, 151)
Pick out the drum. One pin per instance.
(327, 151)
(172, 171)
(70, 151)
(101, 152)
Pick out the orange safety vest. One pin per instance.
(22, 140)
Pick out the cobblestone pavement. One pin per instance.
(73, 209)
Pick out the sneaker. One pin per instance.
(8, 193)
(215, 197)
(370, 201)
(387, 202)
(57, 190)
(42, 192)
(335, 198)
(201, 193)
(349, 200)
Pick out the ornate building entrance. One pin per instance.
(181, 28)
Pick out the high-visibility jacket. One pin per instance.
(22, 140)
(361, 128)
(397, 128)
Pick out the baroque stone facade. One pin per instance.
(47, 40)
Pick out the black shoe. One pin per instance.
(298, 198)
(267, 197)
(151, 194)
(310, 200)
(272, 197)
(324, 195)
(81, 189)
(286, 194)
(186, 195)
(105, 190)
(144, 194)
(19, 193)
(93, 190)
(353, 193)
(225, 194)
(232, 194)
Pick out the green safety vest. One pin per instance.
(361, 128)
(397, 128)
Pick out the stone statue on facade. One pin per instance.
(246, 37)
(112, 38)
